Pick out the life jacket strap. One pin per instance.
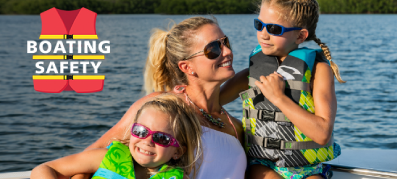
(299, 85)
(250, 93)
(273, 143)
(248, 134)
(292, 84)
(264, 115)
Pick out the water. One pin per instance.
(37, 127)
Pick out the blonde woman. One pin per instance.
(193, 59)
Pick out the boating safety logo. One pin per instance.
(76, 29)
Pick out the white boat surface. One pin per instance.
(351, 164)
(365, 164)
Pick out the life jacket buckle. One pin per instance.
(272, 143)
(69, 36)
(69, 57)
(69, 77)
(268, 115)
(245, 113)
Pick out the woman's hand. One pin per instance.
(272, 87)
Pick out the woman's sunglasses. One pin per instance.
(214, 48)
(273, 29)
(160, 138)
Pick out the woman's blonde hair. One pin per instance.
(166, 49)
(186, 127)
(304, 14)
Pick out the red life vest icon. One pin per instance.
(74, 24)
(62, 24)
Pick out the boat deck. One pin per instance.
(352, 164)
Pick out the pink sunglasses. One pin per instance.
(160, 138)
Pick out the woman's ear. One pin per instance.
(303, 34)
(179, 152)
(184, 66)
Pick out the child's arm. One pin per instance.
(316, 126)
(84, 162)
(232, 87)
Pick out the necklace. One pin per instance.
(216, 122)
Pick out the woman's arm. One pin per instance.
(121, 129)
(316, 126)
(232, 87)
(85, 162)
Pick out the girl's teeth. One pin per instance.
(145, 152)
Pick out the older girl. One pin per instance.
(289, 111)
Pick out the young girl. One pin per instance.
(163, 140)
(289, 110)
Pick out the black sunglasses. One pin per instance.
(213, 49)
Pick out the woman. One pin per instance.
(195, 53)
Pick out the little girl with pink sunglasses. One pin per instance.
(165, 143)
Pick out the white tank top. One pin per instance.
(223, 156)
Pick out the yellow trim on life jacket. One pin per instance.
(64, 77)
(88, 77)
(48, 77)
(64, 57)
(89, 57)
(66, 37)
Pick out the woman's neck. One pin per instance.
(205, 96)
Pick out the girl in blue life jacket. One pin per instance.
(289, 102)
(165, 144)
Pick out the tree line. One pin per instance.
(185, 6)
(131, 6)
(358, 6)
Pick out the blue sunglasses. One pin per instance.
(273, 29)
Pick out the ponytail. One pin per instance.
(156, 76)
(327, 53)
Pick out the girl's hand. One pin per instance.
(272, 87)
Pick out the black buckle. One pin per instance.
(69, 57)
(256, 91)
(69, 36)
(272, 143)
(268, 115)
(248, 138)
(245, 113)
(69, 77)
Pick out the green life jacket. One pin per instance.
(118, 164)
(269, 133)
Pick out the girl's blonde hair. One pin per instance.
(185, 125)
(166, 49)
(304, 14)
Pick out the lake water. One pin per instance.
(37, 127)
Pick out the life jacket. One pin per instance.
(77, 83)
(118, 164)
(61, 24)
(269, 133)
